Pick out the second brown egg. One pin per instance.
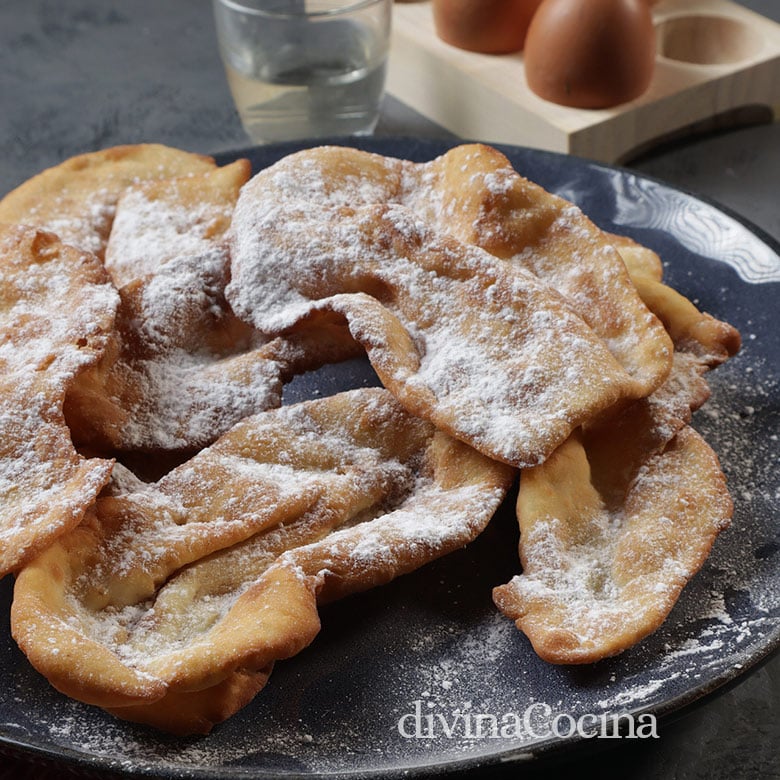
(590, 53)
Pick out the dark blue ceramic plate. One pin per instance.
(423, 675)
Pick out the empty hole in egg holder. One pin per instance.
(700, 39)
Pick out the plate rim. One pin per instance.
(671, 708)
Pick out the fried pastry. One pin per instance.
(160, 220)
(180, 369)
(171, 601)
(509, 332)
(481, 199)
(477, 345)
(712, 341)
(56, 311)
(615, 523)
(701, 344)
(77, 198)
(472, 193)
(602, 567)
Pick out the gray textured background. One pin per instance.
(76, 75)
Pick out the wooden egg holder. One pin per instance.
(717, 64)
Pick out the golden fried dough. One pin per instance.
(77, 198)
(615, 523)
(508, 330)
(592, 514)
(157, 221)
(56, 310)
(472, 193)
(168, 604)
(602, 570)
(481, 199)
(644, 427)
(637, 258)
(477, 345)
(196, 712)
(181, 368)
(710, 340)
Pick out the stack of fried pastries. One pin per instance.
(173, 527)
(176, 597)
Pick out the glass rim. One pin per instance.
(357, 5)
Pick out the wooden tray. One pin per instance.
(717, 62)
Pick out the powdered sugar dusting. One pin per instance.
(455, 669)
(187, 369)
(360, 497)
(460, 664)
(86, 227)
(479, 346)
(55, 313)
(473, 194)
(159, 221)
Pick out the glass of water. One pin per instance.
(305, 68)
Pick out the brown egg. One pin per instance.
(487, 26)
(590, 53)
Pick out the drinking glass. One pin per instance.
(305, 68)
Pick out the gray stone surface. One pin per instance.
(80, 74)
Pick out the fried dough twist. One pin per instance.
(170, 602)
(621, 517)
(478, 345)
